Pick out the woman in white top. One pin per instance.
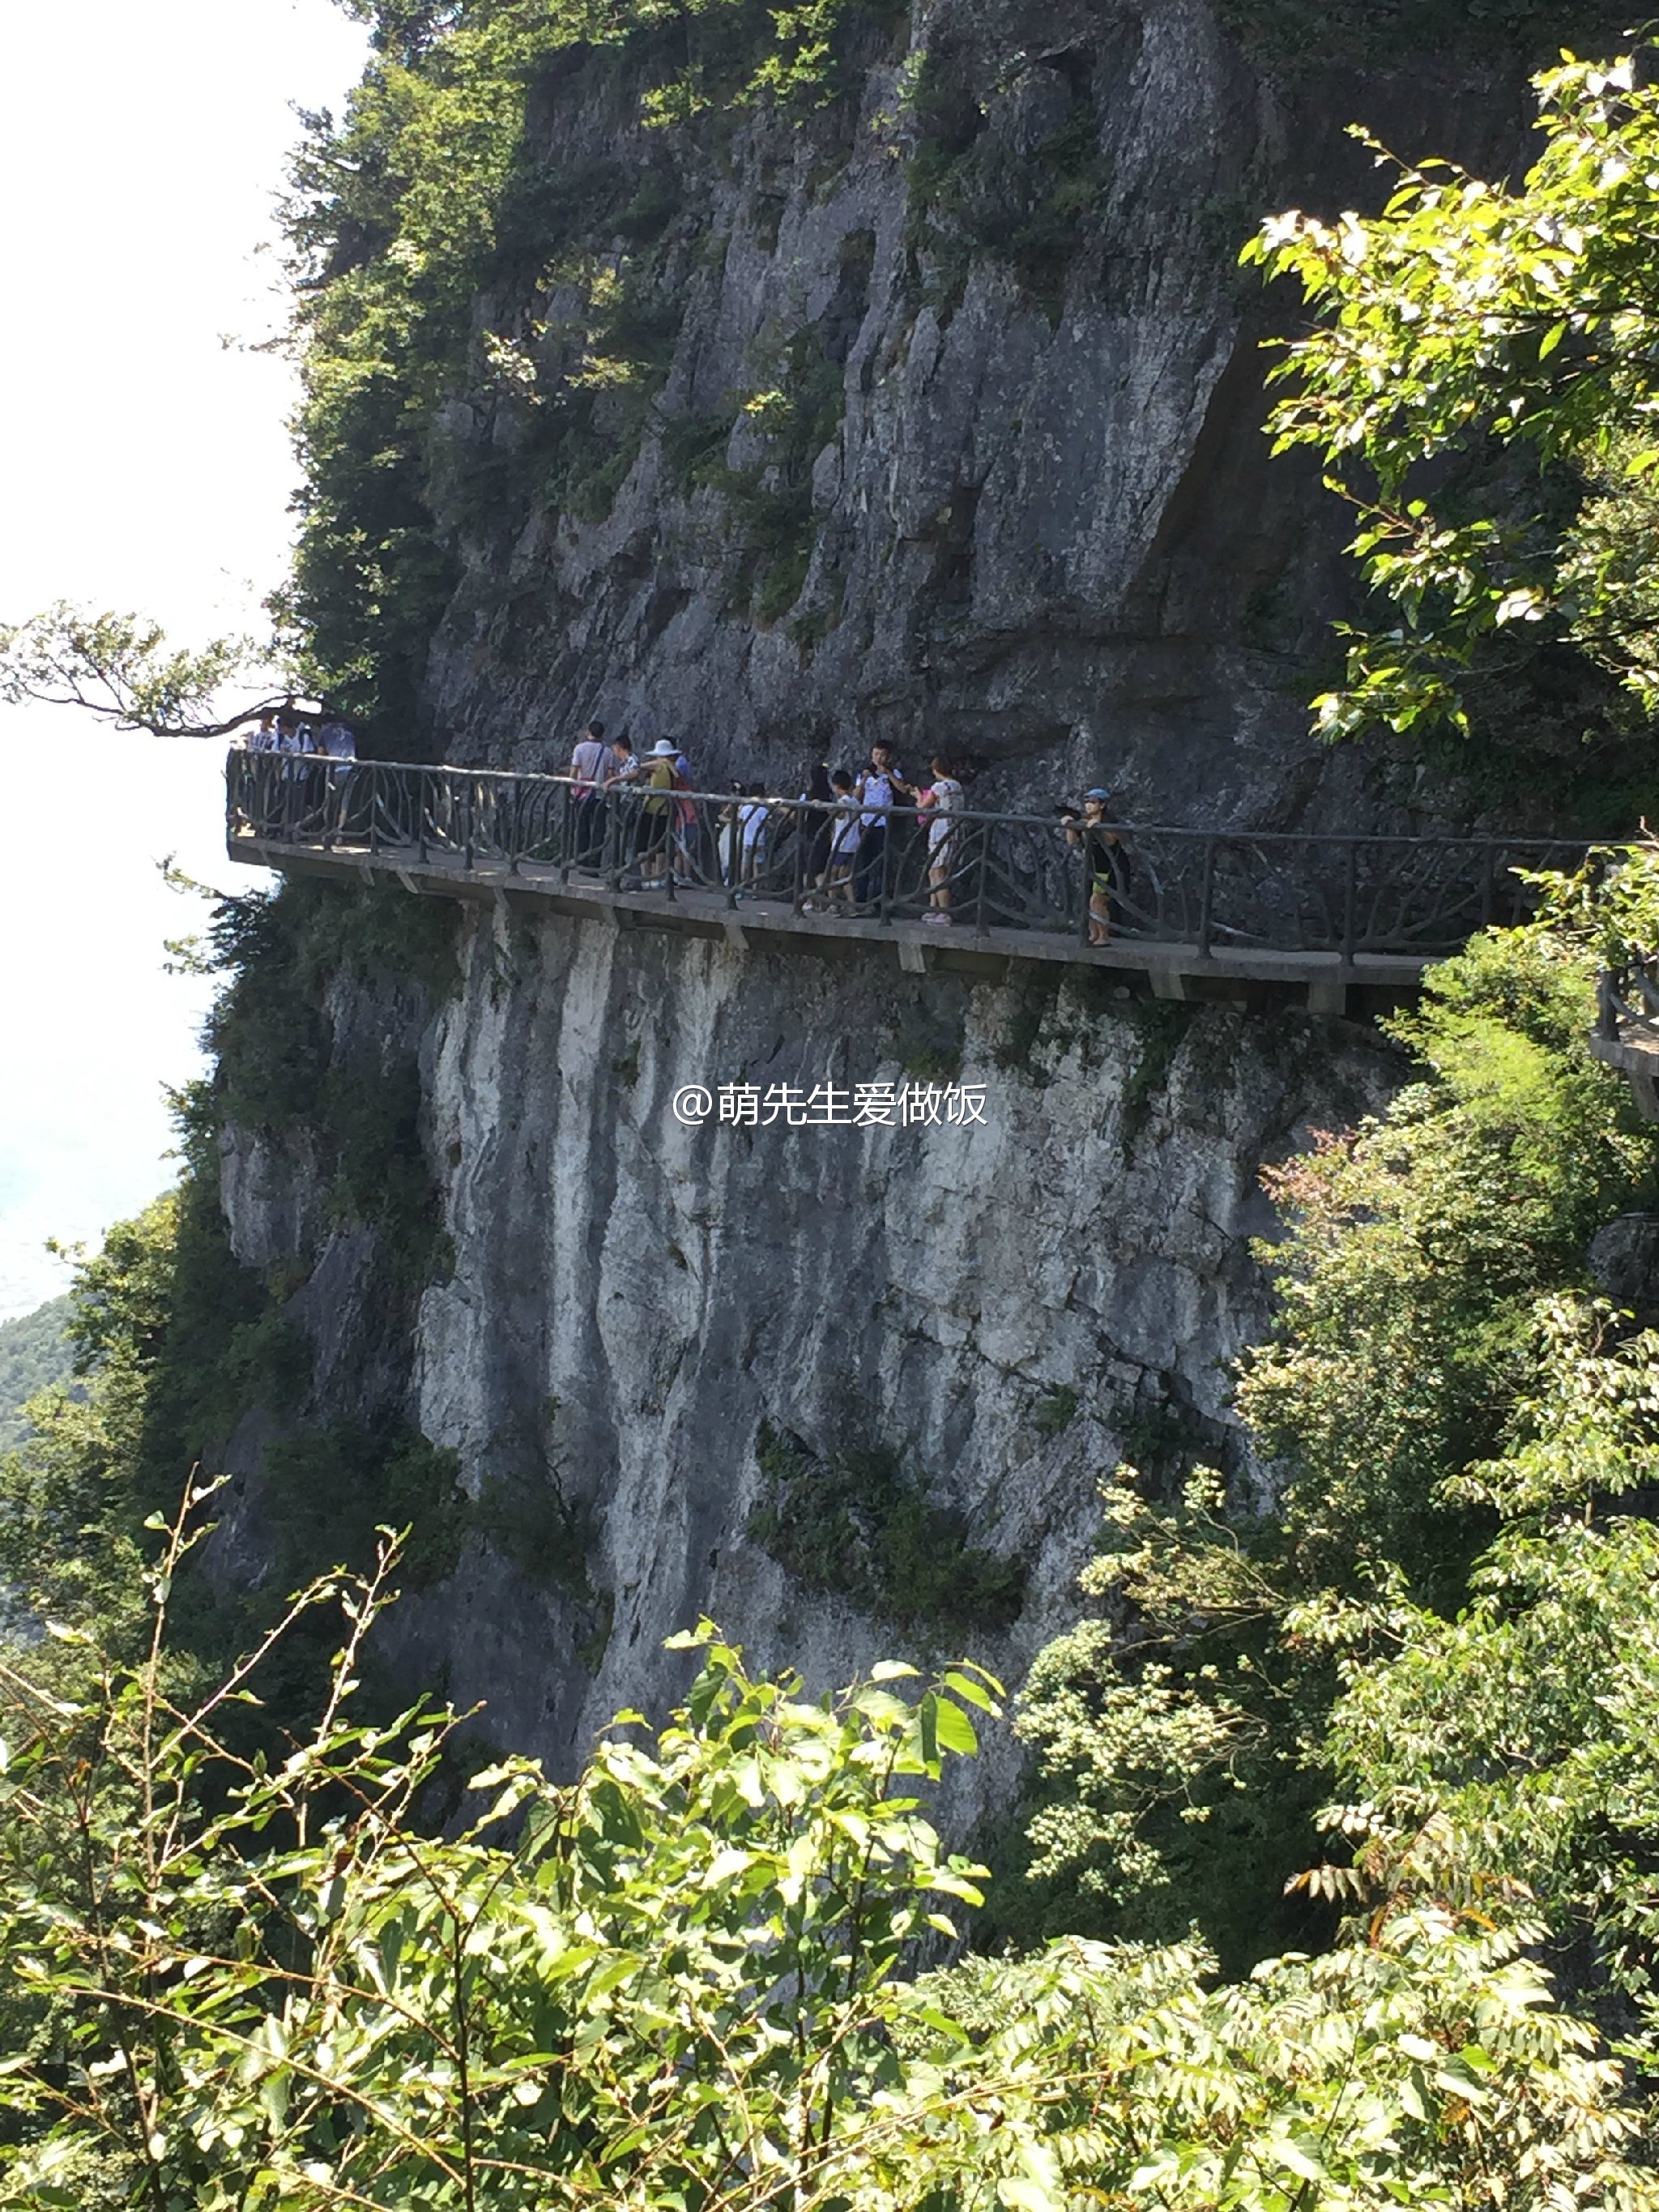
(944, 800)
(844, 839)
(754, 816)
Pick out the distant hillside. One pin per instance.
(33, 1352)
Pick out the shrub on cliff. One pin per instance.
(1445, 1612)
(1504, 334)
(686, 1980)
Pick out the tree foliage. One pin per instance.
(1437, 1616)
(124, 669)
(686, 1980)
(33, 1354)
(1473, 320)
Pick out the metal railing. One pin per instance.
(1210, 893)
(1627, 1000)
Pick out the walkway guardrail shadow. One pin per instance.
(1209, 893)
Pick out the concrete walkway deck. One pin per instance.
(1323, 982)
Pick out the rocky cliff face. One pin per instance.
(935, 414)
(847, 1389)
(931, 412)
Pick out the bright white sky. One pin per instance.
(146, 466)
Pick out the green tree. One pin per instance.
(35, 1352)
(686, 1981)
(124, 669)
(1442, 1373)
(1473, 320)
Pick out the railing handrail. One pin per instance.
(1346, 893)
(1547, 839)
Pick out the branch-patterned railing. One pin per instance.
(1627, 1000)
(1252, 890)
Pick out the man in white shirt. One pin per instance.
(588, 763)
(882, 786)
(336, 741)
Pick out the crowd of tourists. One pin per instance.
(324, 736)
(852, 836)
(849, 842)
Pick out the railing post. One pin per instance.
(1416, 888)
(1207, 899)
(1607, 1006)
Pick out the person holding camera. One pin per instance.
(882, 786)
(1103, 861)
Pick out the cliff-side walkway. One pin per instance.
(1193, 914)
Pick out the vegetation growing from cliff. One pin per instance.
(1296, 36)
(175, 1342)
(972, 194)
(1505, 336)
(689, 1979)
(170, 1341)
(283, 1066)
(860, 1525)
(1444, 1620)
(439, 191)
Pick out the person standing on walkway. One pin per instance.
(662, 780)
(1103, 864)
(843, 840)
(944, 838)
(588, 761)
(815, 827)
(754, 819)
(338, 741)
(880, 789)
(622, 770)
(685, 821)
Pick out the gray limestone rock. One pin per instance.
(1042, 528)
(997, 1310)
(1624, 1259)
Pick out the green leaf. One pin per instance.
(953, 1728)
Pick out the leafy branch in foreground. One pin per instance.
(123, 669)
(1470, 320)
(686, 1982)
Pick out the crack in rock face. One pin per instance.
(847, 1389)
(954, 431)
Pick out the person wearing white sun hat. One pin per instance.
(661, 779)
